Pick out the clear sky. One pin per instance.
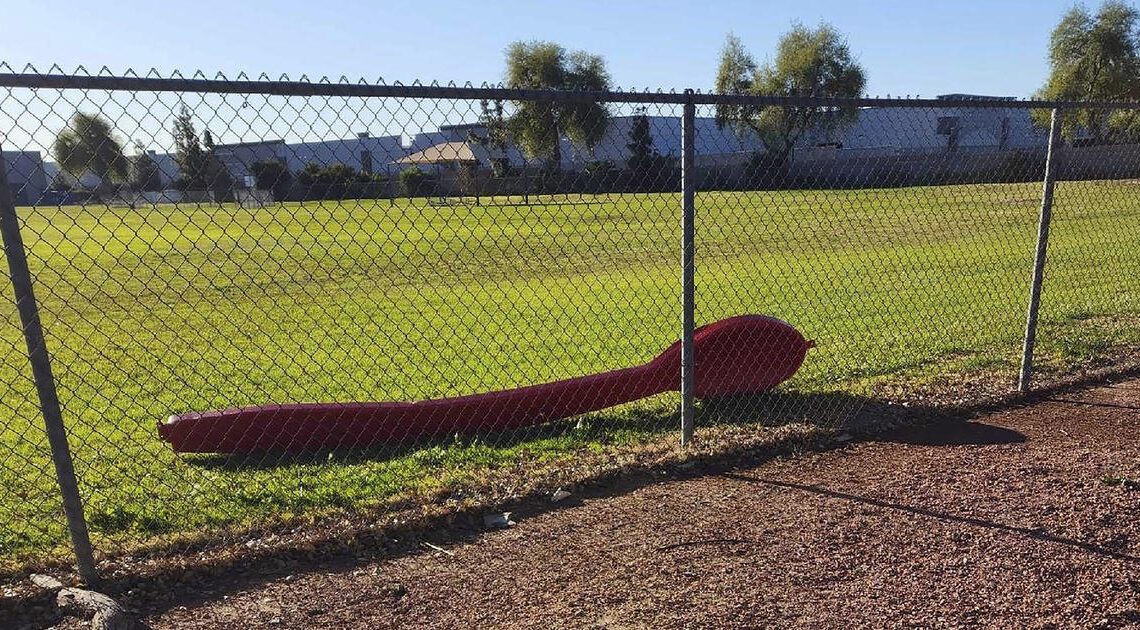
(923, 47)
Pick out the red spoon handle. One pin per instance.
(303, 427)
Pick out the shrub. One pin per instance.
(765, 170)
(271, 175)
(414, 182)
(1022, 166)
(599, 167)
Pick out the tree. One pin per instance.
(333, 174)
(414, 182)
(62, 181)
(201, 169)
(334, 181)
(88, 146)
(145, 174)
(271, 175)
(813, 62)
(496, 135)
(641, 150)
(537, 126)
(649, 168)
(1094, 57)
(188, 152)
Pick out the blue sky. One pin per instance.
(912, 47)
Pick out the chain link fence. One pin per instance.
(280, 264)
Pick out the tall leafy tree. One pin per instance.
(201, 169)
(493, 119)
(88, 146)
(188, 152)
(538, 125)
(1094, 57)
(218, 178)
(809, 62)
(650, 169)
(641, 150)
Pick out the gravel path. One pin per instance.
(1023, 518)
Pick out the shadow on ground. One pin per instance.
(864, 417)
(366, 547)
(1032, 533)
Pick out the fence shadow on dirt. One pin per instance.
(1035, 533)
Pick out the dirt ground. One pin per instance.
(1024, 517)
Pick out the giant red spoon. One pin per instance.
(742, 354)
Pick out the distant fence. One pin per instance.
(808, 168)
(885, 244)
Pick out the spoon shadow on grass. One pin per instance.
(563, 436)
(631, 423)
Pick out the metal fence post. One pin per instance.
(1051, 159)
(688, 301)
(45, 382)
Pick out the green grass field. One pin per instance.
(163, 310)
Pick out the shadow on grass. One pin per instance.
(828, 410)
(771, 409)
(905, 424)
(568, 428)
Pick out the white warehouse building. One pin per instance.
(364, 153)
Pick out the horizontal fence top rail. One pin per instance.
(366, 90)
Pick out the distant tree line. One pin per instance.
(1093, 56)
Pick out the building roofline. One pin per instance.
(253, 143)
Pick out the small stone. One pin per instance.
(559, 495)
(498, 520)
(394, 590)
(45, 581)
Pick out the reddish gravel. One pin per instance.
(1027, 517)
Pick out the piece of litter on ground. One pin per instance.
(559, 495)
(844, 437)
(437, 548)
(498, 520)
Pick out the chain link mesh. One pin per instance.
(285, 249)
